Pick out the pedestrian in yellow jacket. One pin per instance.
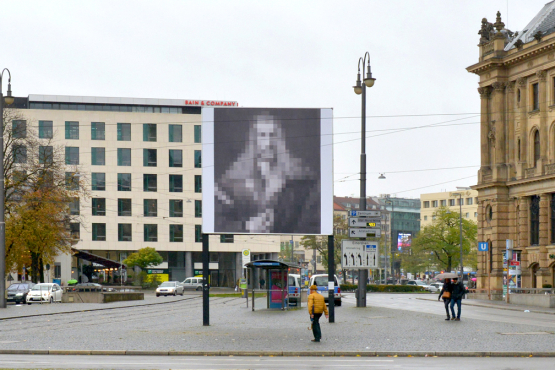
(316, 307)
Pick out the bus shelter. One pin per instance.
(277, 286)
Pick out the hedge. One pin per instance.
(383, 288)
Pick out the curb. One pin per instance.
(499, 308)
(282, 353)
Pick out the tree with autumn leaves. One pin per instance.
(39, 188)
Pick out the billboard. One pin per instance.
(267, 171)
(403, 241)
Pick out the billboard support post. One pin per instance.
(205, 280)
(331, 277)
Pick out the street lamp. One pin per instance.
(361, 90)
(9, 100)
(460, 230)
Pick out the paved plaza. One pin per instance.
(392, 322)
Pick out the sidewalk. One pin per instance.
(500, 305)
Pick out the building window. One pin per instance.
(534, 220)
(475, 214)
(198, 136)
(198, 233)
(124, 232)
(124, 157)
(99, 232)
(536, 147)
(176, 208)
(19, 154)
(75, 230)
(150, 182)
(149, 157)
(175, 133)
(150, 233)
(72, 130)
(443, 203)
(451, 202)
(124, 207)
(518, 98)
(198, 184)
(176, 233)
(57, 271)
(98, 156)
(433, 217)
(149, 132)
(98, 131)
(198, 208)
(469, 201)
(99, 206)
(45, 130)
(535, 96)
(19, 129)
(150, 207)
(176, 158)
(426, 204)
(226, 238)
(518, 150)
(98, 181)
(434, 203)
(72, 181)
(467, 215)
(425, 218)
(552, 218)
(124, 132)
(72, 155)
(176, 183)
(74, 207)
(318, 259)
(124, 182)
(198, 159)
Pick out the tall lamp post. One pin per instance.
(361, 90)
(9, 100)
(460, 231)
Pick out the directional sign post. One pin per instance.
(364, 214)
(359, 254)
(365, 222)
(365, 233)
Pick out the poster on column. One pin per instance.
(267, 171)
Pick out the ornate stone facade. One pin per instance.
(516, 180)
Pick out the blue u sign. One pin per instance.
(483, 247)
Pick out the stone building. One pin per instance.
(516, 181)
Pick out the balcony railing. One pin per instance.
(550, 169)
(530, 172)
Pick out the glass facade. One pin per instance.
(98, 156)
(98, 131)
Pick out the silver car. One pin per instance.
(169, 288)
(193, 283)
(44, 292)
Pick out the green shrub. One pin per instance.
(383, 288)
(547, 286)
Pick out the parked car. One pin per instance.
(44, 292)
(92, 287)
(169, 288)
(192, 283)
(294, 283)
(422, 284)
(18, 292)
(437, 284)
(321, 281)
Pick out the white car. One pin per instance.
(44, 292)
(192, 283)
(438, 285)
(422, 284)
(169, 288)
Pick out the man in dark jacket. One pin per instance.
(457, 293)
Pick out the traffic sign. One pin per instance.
(364, 222)
(483, 247)
(365, 214)
(364, 232)
(359, 254)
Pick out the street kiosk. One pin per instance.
(276, 287)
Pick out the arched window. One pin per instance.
(536, 147)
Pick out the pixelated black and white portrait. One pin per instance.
(267, 171)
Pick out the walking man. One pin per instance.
(458, 290)
(316, 307)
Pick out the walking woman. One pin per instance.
(445, 293)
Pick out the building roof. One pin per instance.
(544, 22)
(338, 207)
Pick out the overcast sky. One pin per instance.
(282, 54)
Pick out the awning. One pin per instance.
(97, 259)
